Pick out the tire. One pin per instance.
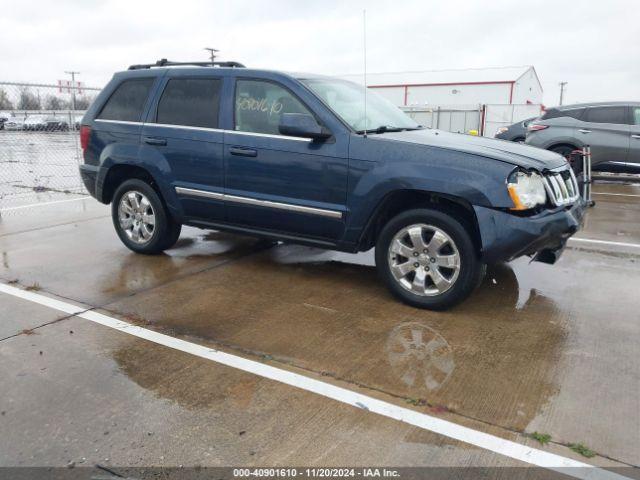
(565, 151)
(174, 230)
(141, 219)
(448, 270)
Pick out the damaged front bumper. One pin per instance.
(506, 236)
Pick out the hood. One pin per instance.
(514, 153)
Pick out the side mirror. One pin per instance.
(302, 125)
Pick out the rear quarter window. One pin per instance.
(617, 114)
(127, 102)
(576, 113)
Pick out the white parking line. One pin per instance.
(452, 430)
(43, 204)
(605, 242)
(615, 194)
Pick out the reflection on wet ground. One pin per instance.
(419, 356)
(319, 311)
(99, 269)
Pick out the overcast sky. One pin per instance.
(593, 45)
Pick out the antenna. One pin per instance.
(364, 28)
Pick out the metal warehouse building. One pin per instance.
(501, 85)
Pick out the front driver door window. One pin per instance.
(259, 105)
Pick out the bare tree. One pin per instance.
(5, 103)
(83, 102)
(55, 103)
(28, 100)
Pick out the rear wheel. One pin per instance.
(141, 219)
(427, 259)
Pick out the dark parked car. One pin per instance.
(53, 124)
(516, 132)
(45, 124)
(611, 129)
(294, 158)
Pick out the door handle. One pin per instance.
(155, 141)
(243, 152)
(635, 136)
(582, 130)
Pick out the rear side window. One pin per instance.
(636, 115)
(555, 113)
(127, 102)
(191, 102)
(606, 115)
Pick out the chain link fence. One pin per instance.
(481, 119)
(39, 142)
(457, 119)
(497, 116)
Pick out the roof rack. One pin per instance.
(166, 63)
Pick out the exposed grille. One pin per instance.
(562, 187)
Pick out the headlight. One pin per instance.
(526, 189)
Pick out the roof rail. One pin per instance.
(166, 63)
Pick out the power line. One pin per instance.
(73, 88)
(562, 86)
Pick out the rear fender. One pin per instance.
(148, 159)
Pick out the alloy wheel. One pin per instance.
(424, 259)
(136, 216)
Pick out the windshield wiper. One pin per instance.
(382, 129)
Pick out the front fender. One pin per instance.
(474, 179)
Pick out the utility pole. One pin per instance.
(562, 85)
(212, 53)
(73, 88)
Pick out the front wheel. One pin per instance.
(427, 259)
(141, 219)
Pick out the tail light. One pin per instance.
(534, 127)
(85, 132)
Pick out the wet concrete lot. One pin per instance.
(537, 348)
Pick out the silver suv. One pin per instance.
(611, 129)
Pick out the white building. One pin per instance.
(503, 85)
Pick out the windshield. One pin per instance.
(346, 99)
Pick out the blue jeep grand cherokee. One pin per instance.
(296, 158)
